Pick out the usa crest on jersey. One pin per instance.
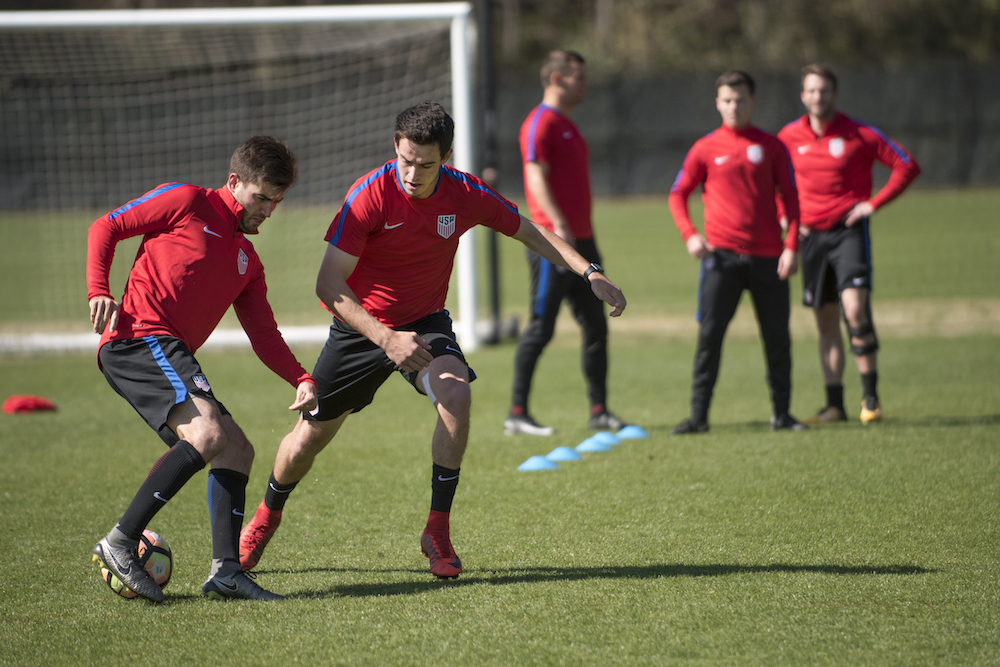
(242, 262)
(836, 146)
(755, 153)
(446, 225)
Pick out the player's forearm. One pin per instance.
(677, 202)
(342, 301)
(100, 254)
(899, 180)
(551, 247)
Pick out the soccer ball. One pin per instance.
(155, 555)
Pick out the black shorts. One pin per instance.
(351, 368)
(154, 374)
(834, 260)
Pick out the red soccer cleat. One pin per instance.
(256, 534)
(445, 563)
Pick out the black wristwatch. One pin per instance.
(590, 269)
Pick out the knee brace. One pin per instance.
(865, 331)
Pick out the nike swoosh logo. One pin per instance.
(237, 513)
(449, 347)
(159, 497)
(228, 587)
(442, 478)
(209, 231)
(722, 159)
(398, 224)
(121, 570)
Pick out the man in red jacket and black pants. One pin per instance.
(741, 170)
(833, 157)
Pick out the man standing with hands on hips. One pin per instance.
(833, 157)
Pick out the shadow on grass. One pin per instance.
(547, 574)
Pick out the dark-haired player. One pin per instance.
(385, 277)
(833, 157)
(194, 262)
(741, 169)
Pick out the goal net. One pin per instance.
(99, 107)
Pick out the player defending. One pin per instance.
(741, 170)
(833, 157)
(557, 185)
(385, 276)
(193, 264)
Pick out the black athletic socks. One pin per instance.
(227, 495)
(165, 479)
(277, 494)
(443, 485)
(835, 396)
(869, 381)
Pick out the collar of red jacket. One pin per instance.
(838, 118)
(234, 206)
(742, 132)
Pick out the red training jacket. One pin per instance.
(193, 263)
(834, 171)
(740, 171)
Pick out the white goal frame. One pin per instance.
(462, 41)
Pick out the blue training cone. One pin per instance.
(563, 454)
(607, 437)
(632, 431)
(592, 445)
(537, 463)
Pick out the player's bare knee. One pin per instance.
(210, 441)
(454, 395)
(241, 448)
(305, 441)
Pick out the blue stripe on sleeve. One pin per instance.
(353, 194)
(146, 197)
(180, 390)
(900, 153)
(532, 130)
(673, 188)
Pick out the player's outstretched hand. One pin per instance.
(306, 398)
(408, 351)
(608, 292)
(103, 313)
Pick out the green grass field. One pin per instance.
(845, 545)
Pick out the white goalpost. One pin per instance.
(97, 107)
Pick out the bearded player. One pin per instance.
(833, 157)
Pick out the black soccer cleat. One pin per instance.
(689, 426)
